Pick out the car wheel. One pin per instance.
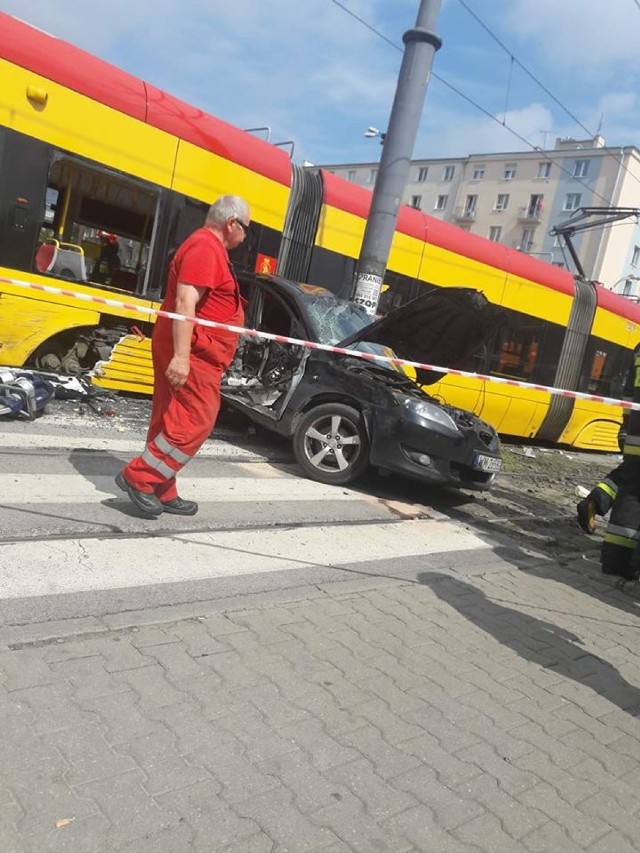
(331, 445)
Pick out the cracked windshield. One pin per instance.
(334, 320)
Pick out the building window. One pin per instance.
(534, 208)
(510, 171)
(423, 171)
(580, 169)
(526, 244)
(495, 233)
(502, 202)
(635, 258)
(449, 172)
(416, 200)
(372, 176)
(544, 169)
(470, 205)
(478, 173)
(572, 201)
(441, 202)
(351, 175)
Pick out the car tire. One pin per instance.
(330, 444)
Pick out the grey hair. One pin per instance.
(227, 207)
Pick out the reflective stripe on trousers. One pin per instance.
(159, 451)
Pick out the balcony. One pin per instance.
(530, 215)
(465, 214)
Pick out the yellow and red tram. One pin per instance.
(87, 150)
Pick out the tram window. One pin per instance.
(527, 348)
(243, 257)
(605, 368)
(96, 225)
(331, 270)
(399, 289)
(50, 205)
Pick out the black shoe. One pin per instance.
(587, 515)
(148, 503)
(178, 506)
(628, 573)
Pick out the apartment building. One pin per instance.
(515, 198)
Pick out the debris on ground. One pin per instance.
(28, 393)
(534, 499)
(529, 452)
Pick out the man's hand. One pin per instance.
(177, 371)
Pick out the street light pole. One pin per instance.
(421, 43)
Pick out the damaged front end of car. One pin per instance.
(415, 434)
(263, 375)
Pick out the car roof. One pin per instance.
(293, 288)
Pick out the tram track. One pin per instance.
(168, 532)
(498, 526)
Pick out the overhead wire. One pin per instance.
(539, 83)
(478, 106)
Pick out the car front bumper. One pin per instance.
(405, 444)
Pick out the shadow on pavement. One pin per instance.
(535, 640)
(532, 534)
(95, 467)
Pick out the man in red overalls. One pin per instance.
(189, 360)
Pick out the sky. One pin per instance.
(317, 77)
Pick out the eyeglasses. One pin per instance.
(239, 222)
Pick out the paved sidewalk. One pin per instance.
(479, 710)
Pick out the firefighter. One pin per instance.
(601, 498)
(189, 359)
(620, 554)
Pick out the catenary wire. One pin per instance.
(539, 83)
(478, 106)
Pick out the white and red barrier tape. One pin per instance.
(366, 356)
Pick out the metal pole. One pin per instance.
(421, 43)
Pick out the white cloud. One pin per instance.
(589, 35)
(446, 133)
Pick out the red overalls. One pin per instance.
(183, 418)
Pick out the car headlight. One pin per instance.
(432, 413)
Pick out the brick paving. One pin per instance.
(488, 710)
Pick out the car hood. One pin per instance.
(443, 327)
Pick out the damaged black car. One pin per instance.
(344, 414)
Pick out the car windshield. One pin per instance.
(334, 319)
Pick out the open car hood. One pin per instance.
(443, 327)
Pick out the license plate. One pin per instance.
(486, 463)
